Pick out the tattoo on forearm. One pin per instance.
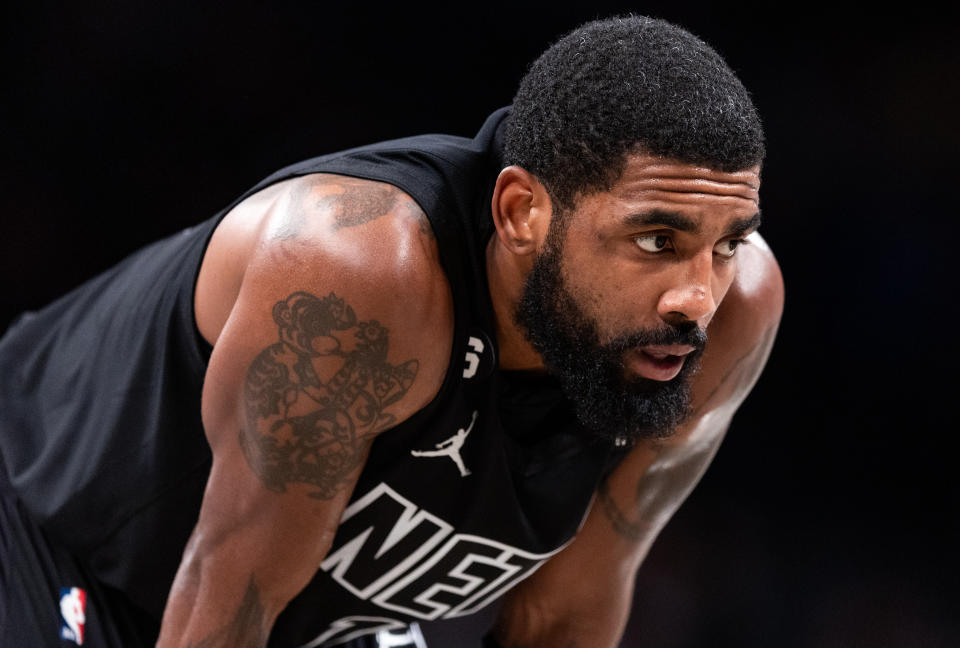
(248, 629)
(316, 398)
(633, 531)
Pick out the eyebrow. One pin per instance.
(683, 223)
(741, 227)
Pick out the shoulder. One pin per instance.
(751, 310)
(357, 255)
(332, 229)
(758, 290)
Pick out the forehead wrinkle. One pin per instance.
(674, 170)
(699, 190)
(690, 181)
(677, 201)
(690, 191)
(724, 183)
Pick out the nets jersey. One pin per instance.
(101, 438)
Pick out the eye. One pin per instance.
(652, 243)
(728, 248)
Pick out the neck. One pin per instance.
(505, 277)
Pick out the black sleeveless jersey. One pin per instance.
(101, 437)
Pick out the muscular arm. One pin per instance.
(582, 596)
(318, 352)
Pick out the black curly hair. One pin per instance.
(622, 85)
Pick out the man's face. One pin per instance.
(624, 286)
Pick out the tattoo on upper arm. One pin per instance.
(316, 398)
(248, 629)
(765, 343)
(633, 531)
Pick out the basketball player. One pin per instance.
(401, 382)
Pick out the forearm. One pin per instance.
(187, 624)
(236, 577)
(214, 606)
(591, 619)
(582, 596)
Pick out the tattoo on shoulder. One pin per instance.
(359, 204)
(248, 629)
(351, 201)
(317, 397)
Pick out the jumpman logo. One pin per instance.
(451, 447)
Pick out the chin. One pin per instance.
(630, 410)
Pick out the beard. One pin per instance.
(608, 402)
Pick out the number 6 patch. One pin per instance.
(480, 358)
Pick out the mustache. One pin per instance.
(689, 334)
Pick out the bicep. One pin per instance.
(286, 453)
(324, 345)
(307, 371)
(297, 389)
(297, 405)
(320, 353)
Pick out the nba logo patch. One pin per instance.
(73, 614)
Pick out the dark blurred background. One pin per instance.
(829, 517)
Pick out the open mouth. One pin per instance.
(658, 362)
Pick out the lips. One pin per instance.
(658, 361)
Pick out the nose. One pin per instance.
(691, 297)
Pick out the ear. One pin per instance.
(521, 210)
